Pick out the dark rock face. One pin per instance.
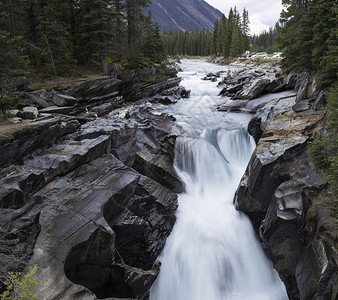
(90, 205)
(281, 193)
(33, 137)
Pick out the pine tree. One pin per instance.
(245, 28)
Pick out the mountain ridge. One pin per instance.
(186, 15)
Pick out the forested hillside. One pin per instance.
(53, 37)
(229, 38)
(187, 15)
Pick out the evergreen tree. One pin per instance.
(245, 29)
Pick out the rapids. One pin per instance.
(212, 252)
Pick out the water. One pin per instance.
(212, 252)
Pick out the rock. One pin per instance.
(16, 120)
(135, 91)
(29, 113)
(254, 128)
(166, 100)
(320, 101)
(64, 100)
(13, 112)
(16, 84)
(279, 184)
(40, 98)
(111, 97)
(289, 200)
(303, 90)
(315, 272)
(274, 86)
(302, 106)
(30, 138)
(57, 110)
(102, 109)
(255, 89)
(94, 88)
(233, 105)
(291, 80)
(155, 148)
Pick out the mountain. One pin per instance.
(185, 15)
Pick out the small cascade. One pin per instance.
(212, 252)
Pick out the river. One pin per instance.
(212, 252)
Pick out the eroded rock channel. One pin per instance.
(89, 192)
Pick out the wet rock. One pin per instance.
(233, 105)
(102, 109)
(166, 100)
(176, 92)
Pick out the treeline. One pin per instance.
(230, 38)
(53, 36)
(265, 41)
(308, 38)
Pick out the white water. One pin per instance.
(212, 252)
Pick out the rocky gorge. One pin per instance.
(89, 193)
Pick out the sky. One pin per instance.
(262, 13)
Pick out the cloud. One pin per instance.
(262, 14)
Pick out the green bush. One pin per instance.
(324, 149)
(20, 288)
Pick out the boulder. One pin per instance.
(291, 80)
(233, 105)
(254, 90)
(102, 109)
(64, 100)
(302, 106)
(320, 101)
(302, 92)
(29, 112)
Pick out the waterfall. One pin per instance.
(212, 252)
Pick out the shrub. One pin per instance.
(324, 149)
(20, 288)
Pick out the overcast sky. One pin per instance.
(262, 13)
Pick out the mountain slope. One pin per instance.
(185, 15)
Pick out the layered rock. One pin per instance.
(90, 205)
(286, 199)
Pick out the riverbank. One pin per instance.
(97, 170)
